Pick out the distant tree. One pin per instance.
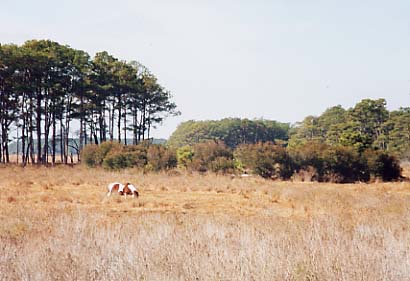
(398, 132)
(305, 131)
(369, 116)
(362, 126)
(231, 131)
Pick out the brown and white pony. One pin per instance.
(123, 189)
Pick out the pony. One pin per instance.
(122, 189)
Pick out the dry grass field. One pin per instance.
(57, 224)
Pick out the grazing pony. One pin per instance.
(127, 189)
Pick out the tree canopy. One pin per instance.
(366, 125)
(232, 131)
(46, 86)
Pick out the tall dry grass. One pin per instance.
(56, 224)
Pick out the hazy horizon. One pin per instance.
(266, 59)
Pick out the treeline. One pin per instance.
(366, 125)
(312, 161)
(232, 131)
(46, 86)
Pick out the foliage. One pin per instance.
(89, 155)
(161, 158)
(184, 156)
(222, 165)
(45, 86)
(119, 160)
(106, 148)
(398, 132)
(214, 156)
(345, 164)
(330, 163)
(383, 166)
(266, 159)
(367, 125)
(112, 155)
(231, 131)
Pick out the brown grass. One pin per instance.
(57, 224)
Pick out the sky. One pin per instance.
(280, 59)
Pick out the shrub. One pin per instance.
(213, 155)
(310, 157)
(161, 158)
(345, 165)
(184, 156)
(222, 165)
(118, 160)
(89, 155)
(330, 163)
(137, 154)
(383, 166)
(266, 159)
(105, 148)
(113, 155)
(93, 155)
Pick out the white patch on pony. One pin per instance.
(112, 185)
(132, 187)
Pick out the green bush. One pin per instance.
(105, 148)
(89, 155)
(137, 154)
(112, 155)
(93, 155)
(118, 160)
(184, 156)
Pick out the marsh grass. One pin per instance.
(57, 224)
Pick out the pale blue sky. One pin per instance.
(280, 60)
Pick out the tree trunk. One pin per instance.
(119, 122)
(23, 141)
(134, 126)
(61, 140)
(53, 140)
(46, 129)
(83, 134)
(38, 127)
(2, 129)
(31, 129)
(23, 129)
(125, 126)
(67, 129)
(144, 112)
